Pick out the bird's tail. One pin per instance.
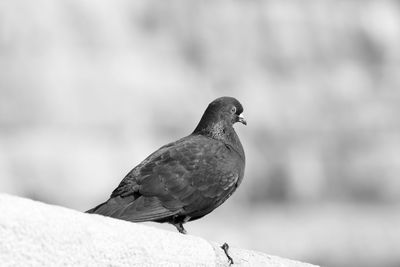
(109, 208)
(134, 210)
(95, 208)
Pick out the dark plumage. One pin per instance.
(186, 179)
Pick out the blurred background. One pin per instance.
(89, 88)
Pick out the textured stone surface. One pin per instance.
(37, 234)
(243, 257)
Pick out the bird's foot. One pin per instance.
(225, 248)
(180, 228)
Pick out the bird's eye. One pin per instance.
(233, 110)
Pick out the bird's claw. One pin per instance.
(180, 228)
(225, 248)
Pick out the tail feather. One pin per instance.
(134, 210)
(95, 208)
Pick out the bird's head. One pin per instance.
(222, 112)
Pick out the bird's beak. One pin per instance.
(242, 120)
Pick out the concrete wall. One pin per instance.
(36, 234)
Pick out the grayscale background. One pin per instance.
(88, 89)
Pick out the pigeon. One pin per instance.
(186, 179)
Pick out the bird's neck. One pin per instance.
(222, 132)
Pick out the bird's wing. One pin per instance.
(193, 175)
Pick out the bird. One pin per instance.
(187, 179)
